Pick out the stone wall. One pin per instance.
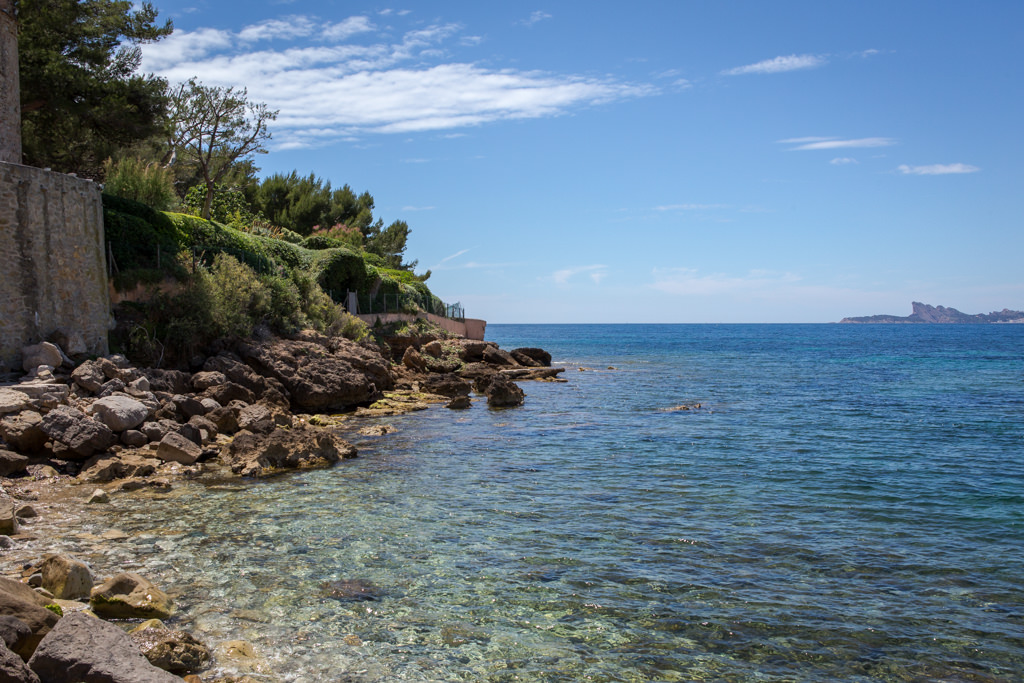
(54, 281)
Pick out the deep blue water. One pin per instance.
(847, 503)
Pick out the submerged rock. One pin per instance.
(257, 455)
(351, 589)
(175, 651)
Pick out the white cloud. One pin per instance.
(596, 273)
(938, 169)
(843, 161)
(328, 90)
(778, 65)
(834, 143)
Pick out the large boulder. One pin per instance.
(13, 668)
(11, 463)
(24, 432)
(318, 377)
(540, 357)
(119, 412)
(176, 448)
(175, 651)
(504, 393)
(237, 372)
(496, 356)
(43, 353)
(257, 455)
(79, 434)
(66, 577)
(87, 650)
(89, 376)
(130, 596)
(24, 604)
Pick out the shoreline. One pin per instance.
(193, 439)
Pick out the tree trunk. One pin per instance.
(10, 87)
(208, 204)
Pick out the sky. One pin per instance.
(652, 162)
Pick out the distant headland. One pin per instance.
(923, 313)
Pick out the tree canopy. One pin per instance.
(81, 96)
(213, 128)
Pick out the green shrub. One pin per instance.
(138, 236)
(148, 183)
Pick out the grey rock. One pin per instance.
(26, 512)
(13, 668)
(89, 376)
(257, 455)
(13, 631)
(120, 412)
(81, 648)
(43, 353)
(496, 356)
(111, 387)
(80, 434)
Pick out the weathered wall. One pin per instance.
(53, 260)
(470, 329)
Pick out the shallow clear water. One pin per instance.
(847, 504)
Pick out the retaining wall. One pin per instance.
(470, 329)
(53, 282)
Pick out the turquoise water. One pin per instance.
(846, 504)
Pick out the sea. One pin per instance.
(694, 503)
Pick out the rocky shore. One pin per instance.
(81, 432)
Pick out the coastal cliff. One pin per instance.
(923, 313)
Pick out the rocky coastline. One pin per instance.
(74, 434)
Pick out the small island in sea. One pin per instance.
(923, 313)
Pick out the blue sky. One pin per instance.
(658, 161)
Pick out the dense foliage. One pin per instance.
(81, 98)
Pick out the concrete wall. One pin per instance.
(54, 263)
(470, 329)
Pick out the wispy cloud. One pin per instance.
(535, 18)
(689, 281)
(595, 272)
(843, 161)
(328, 89)
(815, 143)
(779, 65)
(938, 169)
(689, 207)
